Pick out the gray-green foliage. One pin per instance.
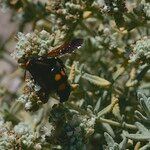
(110, 106)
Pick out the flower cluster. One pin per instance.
(18, 137)
(35, 44)
(141, 51)
(146, 8)
(32, 97)
(71, 130)
(66, 10)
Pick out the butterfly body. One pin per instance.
(49, 72)
(50, 75)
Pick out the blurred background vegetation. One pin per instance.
(110, 108)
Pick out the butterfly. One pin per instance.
(49, 71)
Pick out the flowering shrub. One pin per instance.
(109, 105)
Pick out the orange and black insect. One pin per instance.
(49, 71)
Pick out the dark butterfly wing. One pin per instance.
(44, 72)
(67, 47)
(41, 71)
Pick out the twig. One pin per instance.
(117, 124)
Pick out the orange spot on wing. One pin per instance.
(57, 77)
